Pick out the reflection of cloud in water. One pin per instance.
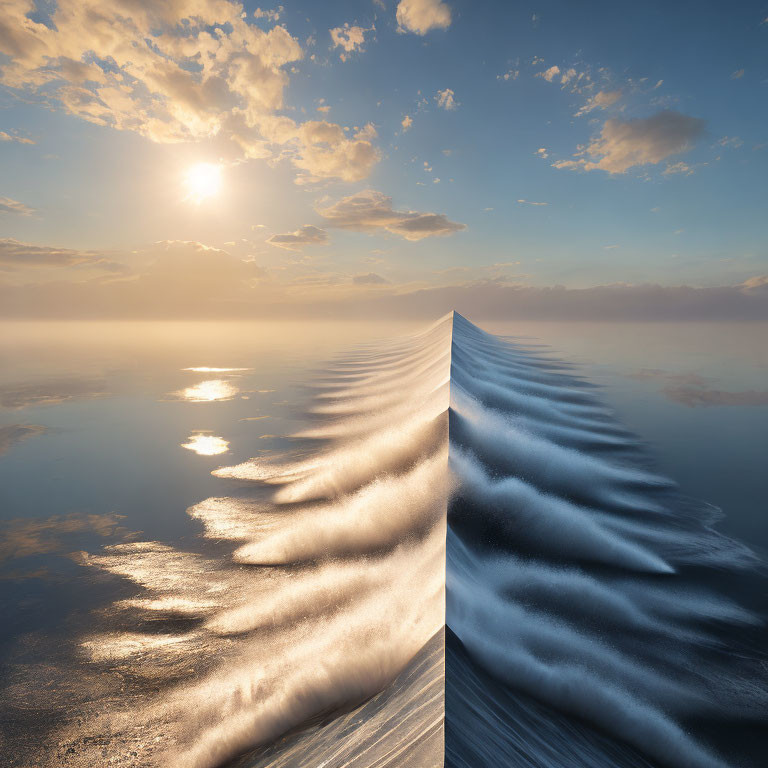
(693, 390)
(25, 395)
(23, 537)
(702, 396)
(206, 445)
(208, 391)
(12, 434)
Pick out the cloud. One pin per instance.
(371, 211)
(489, 300)
(757, 284)
(7, 205)
(511, 74)
(13, 137)
(12, 434)
(190, 281)
(269, 15)
(542, 152)
(530, 202)
(370, 278)
(731, 141)
(571, 79)
(446, 99)
(601, 100)
(327, 152)
(678, 168)
(642, 141)
(737, 75)
(422, 16)
(549, 74)
(171, 72)
(407, 122)
(348, 38)
(95, 60)
(295, 241)
(170, 279)
(15, 254)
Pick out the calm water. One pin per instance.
(105, 434)
(110, 432)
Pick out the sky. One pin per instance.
(206, 158)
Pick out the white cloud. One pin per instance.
(349, 39)
(7, 205)
(601, 100)
(269, 15)
(407, 122)
(642, 141)
(730, 141)
(678, 168)
(446, 99)
(530, 202)
(756, 284)
(185, 85)
(737, 75)
(295, 241)
(511, 74)
(371, 211)
(550, 74)
(326, 151)
(172, 72)
(13, 137)
(580, 78)
(18, 255)
(422, 16)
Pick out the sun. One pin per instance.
(203, 181)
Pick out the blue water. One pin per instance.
(253, 561)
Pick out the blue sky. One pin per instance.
(383, 146)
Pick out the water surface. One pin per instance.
(136, 458)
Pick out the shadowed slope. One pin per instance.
(581, 583)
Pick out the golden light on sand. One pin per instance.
(206, 445)
(203, 181)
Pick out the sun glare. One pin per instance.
(206, 445)
(203, 181)
(207, 391)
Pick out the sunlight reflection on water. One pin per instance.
(209, 390)
(206, 445)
